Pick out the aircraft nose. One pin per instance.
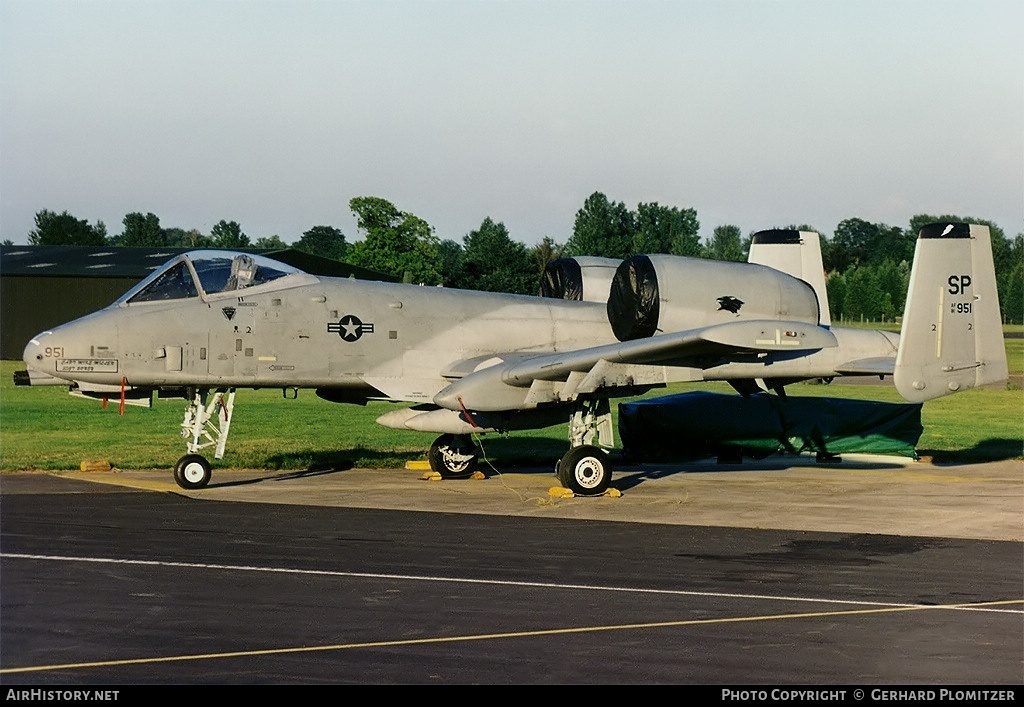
(48, 351)
(34, 355)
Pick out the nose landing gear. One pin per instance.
(193, 471)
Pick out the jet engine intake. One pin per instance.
(586, 279)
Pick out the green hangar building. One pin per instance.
(45, 286)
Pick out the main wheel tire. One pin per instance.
(192, 472)
(585, 470)
(453, 456)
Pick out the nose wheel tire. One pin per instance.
(585, 470)
(192, 472)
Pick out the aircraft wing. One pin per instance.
(749, 336)
(519, 381)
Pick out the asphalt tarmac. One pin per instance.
(861, 494)
(878, 571)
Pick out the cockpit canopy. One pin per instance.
(206, 272)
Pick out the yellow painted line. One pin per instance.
(118, 480)
(163, 486)
(494, 636)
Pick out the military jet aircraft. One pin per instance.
(210, 322)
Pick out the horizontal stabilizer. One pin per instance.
(879, 366)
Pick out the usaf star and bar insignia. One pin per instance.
(350, 328)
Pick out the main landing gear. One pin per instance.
(453, 456)
(586, 469)
(193, 471)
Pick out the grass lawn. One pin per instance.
(44, 428)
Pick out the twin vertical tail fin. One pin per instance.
(952, 335)
(796, 253)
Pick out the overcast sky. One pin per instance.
(275, 113)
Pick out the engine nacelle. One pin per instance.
(797, 253)
(653, 294)
(585, 279)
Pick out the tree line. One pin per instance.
(867, 265)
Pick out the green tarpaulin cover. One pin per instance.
(698, 424)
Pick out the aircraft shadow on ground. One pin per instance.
(630, 477)
(281, 467)
(330, 460)
(539, 457)
(283, 475)
(990, 450)
(987, 450)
